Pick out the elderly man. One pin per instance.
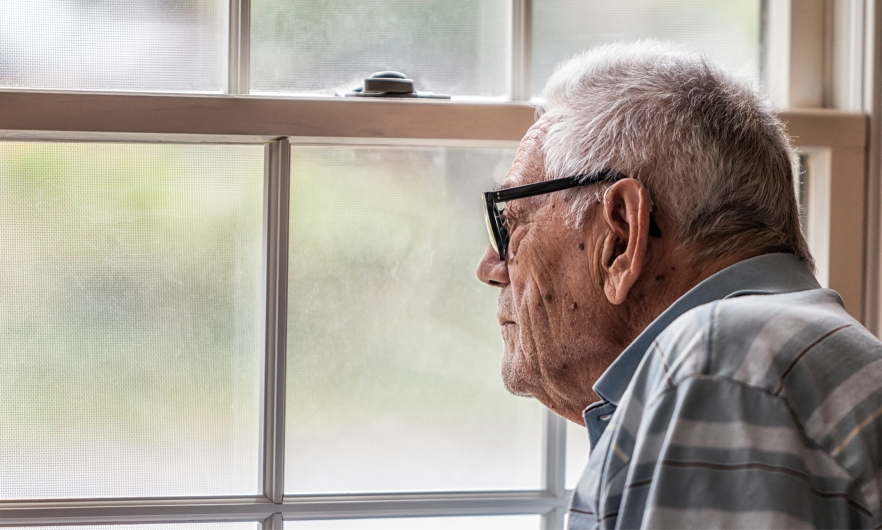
(655, 287)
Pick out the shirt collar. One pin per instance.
(765, 274)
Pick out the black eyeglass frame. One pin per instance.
(493, 215)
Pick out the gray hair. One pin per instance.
(710, 151)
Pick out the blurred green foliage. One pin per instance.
(383, 304)
(108, 45)
(449, 46)
(130, 293)
(387, 324)
(726, 30)
(131, 297)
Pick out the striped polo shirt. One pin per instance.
(754, 401)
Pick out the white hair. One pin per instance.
(707, 147)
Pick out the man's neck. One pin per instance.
(666, 281)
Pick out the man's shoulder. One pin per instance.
(774, 341)
(760, 340)
(798, 352)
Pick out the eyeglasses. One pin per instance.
(494, 215)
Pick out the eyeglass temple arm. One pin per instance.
(548, 186)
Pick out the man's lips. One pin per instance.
(504, 321)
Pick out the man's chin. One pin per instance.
(513, 377)
(517, 391)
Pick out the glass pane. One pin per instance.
(131, 318)
(578, 446)
(394, 349)
(507, 522)
(148, 45)
(727, 30)
(446, 46)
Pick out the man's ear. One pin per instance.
(626, 209)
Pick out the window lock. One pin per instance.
(391, 85)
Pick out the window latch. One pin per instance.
(390, 85)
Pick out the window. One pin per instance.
(227, 294)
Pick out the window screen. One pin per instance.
(131, 318)
(727, 30)
(393, 346)
(446, 46)
(148, 45)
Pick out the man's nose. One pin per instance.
(492, 270)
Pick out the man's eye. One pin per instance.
(507, 222)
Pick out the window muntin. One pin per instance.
(393, 349)
(131, 318)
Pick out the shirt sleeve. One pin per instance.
(711, 452)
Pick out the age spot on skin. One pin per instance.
(581, 246)
(548, 297)
(659, 278)
(574, 306)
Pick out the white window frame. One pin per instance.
(820, 65)
(842, 136)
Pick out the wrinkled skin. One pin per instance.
(572, 298)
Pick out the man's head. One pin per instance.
(706, 160)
